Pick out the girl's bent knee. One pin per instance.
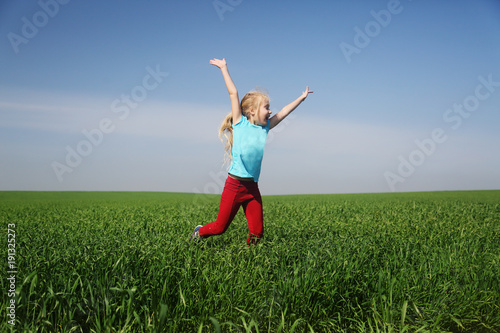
(212, 230)
(217, 231)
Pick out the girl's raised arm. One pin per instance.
(278, 117)
(231, 89)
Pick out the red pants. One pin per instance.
(238, 193)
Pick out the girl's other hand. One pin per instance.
(306, 93)
(219, 63)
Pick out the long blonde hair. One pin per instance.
(252, 100)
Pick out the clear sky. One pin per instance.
(119, 95)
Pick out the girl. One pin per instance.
(245, 130)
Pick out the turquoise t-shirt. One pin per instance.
(248, 148)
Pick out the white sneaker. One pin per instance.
(195, 235)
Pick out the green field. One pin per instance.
(121, 262)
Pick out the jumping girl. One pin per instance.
(245, 130)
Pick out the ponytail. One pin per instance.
(226, 136)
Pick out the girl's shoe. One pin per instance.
(195, 235)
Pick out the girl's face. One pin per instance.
(261, 117)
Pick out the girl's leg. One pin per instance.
(229, 205)
(255, 217)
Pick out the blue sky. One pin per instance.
(119, 95)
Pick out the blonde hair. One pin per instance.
(252, 100)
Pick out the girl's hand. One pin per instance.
(219, 63)
(306, 93)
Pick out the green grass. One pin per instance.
(121, 262)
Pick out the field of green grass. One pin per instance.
(122, 262)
